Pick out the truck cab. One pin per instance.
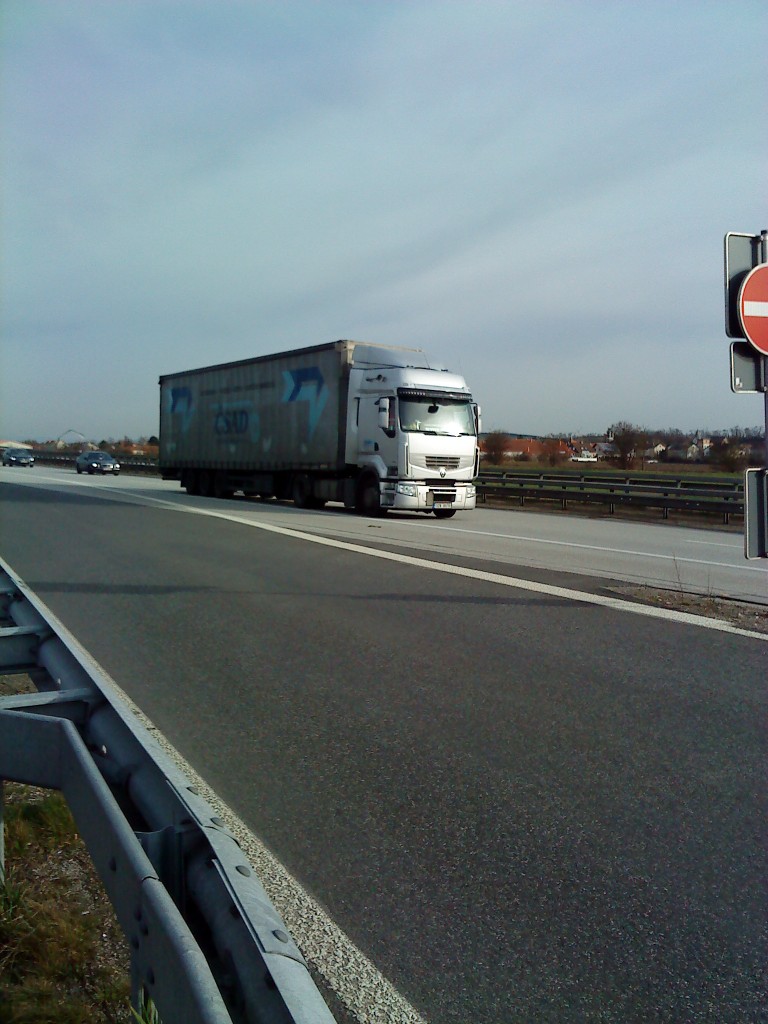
(412, 432)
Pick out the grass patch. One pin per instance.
(63, 957)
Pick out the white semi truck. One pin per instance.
(373, 428)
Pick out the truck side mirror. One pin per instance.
(387, 416)
(383, 404)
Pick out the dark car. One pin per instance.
(18, 457)
(96, 462)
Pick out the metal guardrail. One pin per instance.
(206, 943)
(679, 494)
(129, 464)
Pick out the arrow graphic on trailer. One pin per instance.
(306, 385)
(180, 402)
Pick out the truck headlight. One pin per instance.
(409, 490)
(471, 491)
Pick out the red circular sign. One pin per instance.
(753, 307)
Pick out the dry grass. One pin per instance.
(63, 957)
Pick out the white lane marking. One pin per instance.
(716, 544)
(603, 600)
(355, 980)
(601, 548)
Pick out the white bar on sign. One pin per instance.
(755, 309)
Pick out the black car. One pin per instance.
(18, 457)
(96, 462)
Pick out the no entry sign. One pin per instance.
(753, 307)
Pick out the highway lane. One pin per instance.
(704, 560)
(521, 806)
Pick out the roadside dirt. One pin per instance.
(743, 614)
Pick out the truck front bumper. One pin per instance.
(421, 497)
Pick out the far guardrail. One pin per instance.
(620, 489)
(130, 464)
(206, 943)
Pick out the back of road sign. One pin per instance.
(749, 370)
(756, 513)
(742, 253)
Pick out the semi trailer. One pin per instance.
(373, 428)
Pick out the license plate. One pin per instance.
(442, 504)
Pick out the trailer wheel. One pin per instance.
(301, 491)
(219, 487)
(205, 483)
(189, 481)
(368, 497)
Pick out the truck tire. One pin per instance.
(368, 497)
(301, 491)
(190, 481)
(445, 513)
(205, 483)
(220, 487)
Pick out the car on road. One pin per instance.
(18, 457)
(97, 462)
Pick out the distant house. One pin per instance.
(519, 447)
(699, 449)
(538, 448)
(605, 450)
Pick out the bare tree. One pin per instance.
(730, 457)
(552, 450)
(495, 446)
(628, 440)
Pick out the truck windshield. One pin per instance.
(436, 414)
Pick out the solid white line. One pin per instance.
(599, 547)
(614, 603)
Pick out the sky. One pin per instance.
(536, 192)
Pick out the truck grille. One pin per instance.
(438, 461)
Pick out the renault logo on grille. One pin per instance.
(442, 471)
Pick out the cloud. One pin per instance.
(511, 185)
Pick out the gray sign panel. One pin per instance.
(749, 369)
(742, 253)
(756, 513)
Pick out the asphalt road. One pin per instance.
(521, 805)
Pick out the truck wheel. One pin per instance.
(301, 491)
(219, 488)
(191, 482)
(368, 498)
(444, 513)
(205, 483)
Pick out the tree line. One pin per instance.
(627, 445)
